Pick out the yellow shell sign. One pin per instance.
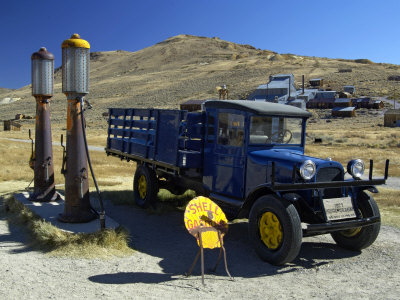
(204, 217)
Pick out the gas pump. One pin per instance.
(75, 85)
(42, 157)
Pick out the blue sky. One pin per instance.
(335, 29)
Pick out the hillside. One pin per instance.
(4, 91)
(190, 67)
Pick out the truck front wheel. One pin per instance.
(145, 186)
(275, 229)
(360, 237)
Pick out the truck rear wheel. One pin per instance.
(145, 186)
(360, 237)
(275, 229)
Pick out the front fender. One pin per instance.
(264, 189)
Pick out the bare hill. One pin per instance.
(4, 91)
(190, 67)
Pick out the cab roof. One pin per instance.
(257, 107)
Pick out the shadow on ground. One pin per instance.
(14, 236)
(164, 235)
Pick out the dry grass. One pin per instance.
(109, 171)
(387, 197)
(166, 201)
(345, 139)
(46, 237)
(389, 205)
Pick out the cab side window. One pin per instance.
(230, 129)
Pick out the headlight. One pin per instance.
(308, 169)
(356, 168)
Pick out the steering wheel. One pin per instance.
(282, 136)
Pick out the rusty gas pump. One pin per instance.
(42, 157)
(75, 85)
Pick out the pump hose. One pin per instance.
(102, 214)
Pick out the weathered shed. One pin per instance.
(192, 105)
(321, 103)
(325, 95)
(361, 102)
(351, 89)
(392, 118)
(344, 112)
(344, 95)
(11, 125)
(377, 104)
(316, 82)
(343, 102)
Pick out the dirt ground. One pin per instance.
(165, 251)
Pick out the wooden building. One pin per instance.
(192, 105)
(344, 112)
(377, 104)
(392, 118)
(316, 82)
(343, 102)
(351, 89)
(11, 125)
(361, 102)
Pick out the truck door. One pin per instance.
(224, 158)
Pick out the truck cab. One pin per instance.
(243, 138)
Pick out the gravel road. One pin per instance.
(165, 250)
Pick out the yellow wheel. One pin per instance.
(145, 186)
(359, 238)
(351, 232)
(275, 229)
(270, 230)
(142, 186)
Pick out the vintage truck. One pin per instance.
(249, 157)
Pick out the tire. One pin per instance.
(360, 237)
(275, 229)
(145, 186)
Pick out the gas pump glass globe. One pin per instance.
(75, 70)
(42, 73)
(75, 65)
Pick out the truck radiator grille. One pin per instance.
(330, 174)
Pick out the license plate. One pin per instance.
(339, 208)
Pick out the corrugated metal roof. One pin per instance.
(279, 84)
(343, 100)
(259, 107)
(325, 94)
(344, 108)
(392, 112)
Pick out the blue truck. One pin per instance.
(249, 158)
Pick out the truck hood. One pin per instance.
(289, 158)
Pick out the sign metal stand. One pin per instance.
(207, 223)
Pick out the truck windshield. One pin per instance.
(275, 130)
